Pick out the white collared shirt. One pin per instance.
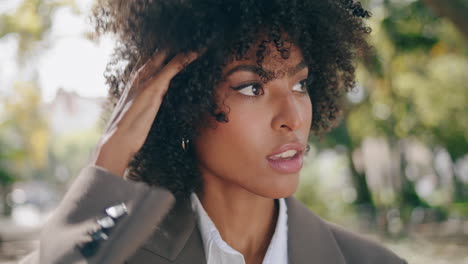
(217, 251)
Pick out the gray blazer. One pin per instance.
(158, 229)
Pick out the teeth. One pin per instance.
(284, 155)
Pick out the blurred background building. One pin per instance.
(396, 169)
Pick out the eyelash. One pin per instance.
(259, 86)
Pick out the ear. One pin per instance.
(221, 117)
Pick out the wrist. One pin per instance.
(112, 160)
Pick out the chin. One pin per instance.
(282, 187)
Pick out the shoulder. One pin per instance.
(332, 241)
(102, 218)
(358, 249)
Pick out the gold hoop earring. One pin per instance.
(185, 143)
(307, 149)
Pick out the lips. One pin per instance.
(287, 165)
(299, 147)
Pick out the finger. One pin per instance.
(130, 83)
(159, 82)
(139, 73)
(156, 61)
(143, 71)
(177, 64)
(123, 99)
(156, 87)
(153, 65)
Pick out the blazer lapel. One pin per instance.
(177, 240)
(309, 238)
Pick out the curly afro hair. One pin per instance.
(330, 34)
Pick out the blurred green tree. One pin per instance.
(23, 129)
(413, 87)
(454, 10)
(31, 21)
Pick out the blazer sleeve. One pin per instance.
(102, 218)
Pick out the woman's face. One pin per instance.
(263, 117)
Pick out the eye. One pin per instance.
(253, 89)
(302, 86)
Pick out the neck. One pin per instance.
(245, 221)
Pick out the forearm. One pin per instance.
(70, 227)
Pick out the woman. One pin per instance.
(213, 103)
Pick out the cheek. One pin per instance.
(233, 147)
(235, 152)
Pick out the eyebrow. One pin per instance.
(298, 68)
(260, 71)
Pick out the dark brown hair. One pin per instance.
(330, 34)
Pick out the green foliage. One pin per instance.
(24, 133)
(415, 87)
(410, 26)
(422, 91)
(27, 124)
(73, 150)
(30, 22)
(6, 178)
(323, 189)
(459, 209)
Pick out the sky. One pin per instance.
(70, 62)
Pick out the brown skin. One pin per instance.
(239, 186)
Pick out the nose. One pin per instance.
(288, 116)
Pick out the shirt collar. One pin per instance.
(278, 250)
(218, 251)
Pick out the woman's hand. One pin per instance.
(136, 110)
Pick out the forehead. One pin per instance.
(273, 60)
